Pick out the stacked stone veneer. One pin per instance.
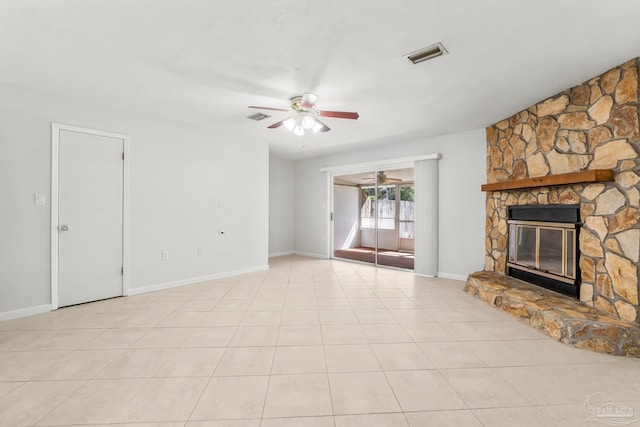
(590, 126)
(562, 318)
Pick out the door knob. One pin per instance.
(64, 228)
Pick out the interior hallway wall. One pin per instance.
(280, 206)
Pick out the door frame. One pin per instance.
(55, 170)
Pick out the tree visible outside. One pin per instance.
(406, 194)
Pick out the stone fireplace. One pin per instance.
(578, 148)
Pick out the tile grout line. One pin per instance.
(495, 329)
(326, 367)
(273, 358)
(375, 355)
(214, 370)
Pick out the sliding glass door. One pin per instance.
(406, 218)
(395, 221)
(353, 217)
(373, 217)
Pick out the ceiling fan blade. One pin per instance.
(308, 100)
(324, 127)
(340, 114)
(277, 124)
(267, 108)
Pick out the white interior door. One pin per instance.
(90, 217)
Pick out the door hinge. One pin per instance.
(122, 156)
(331, 216)
(122, 271)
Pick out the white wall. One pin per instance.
(461, 203)
(185, 184)
(346, 217)
(280, 206)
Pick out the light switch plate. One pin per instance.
(39, 199)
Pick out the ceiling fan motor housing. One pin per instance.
(304, 103)
(296, 103)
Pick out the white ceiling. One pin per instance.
(202, 62)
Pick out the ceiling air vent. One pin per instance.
(258, 116)
(427, 53)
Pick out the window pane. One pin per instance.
(368, 192)
(406, 203)
(367, 210)
(386, 223)
(386, 207)
(406, 193)
(407, 230)
(406, 211)
(368, 223)
(386, 192)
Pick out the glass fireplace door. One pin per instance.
(544, 248)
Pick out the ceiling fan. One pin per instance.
(383, 179)
(304, 116)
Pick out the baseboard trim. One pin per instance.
(310, 254)
(461, 277)
(24, 312)
(424, 275)
(192, 280)
(284, 253)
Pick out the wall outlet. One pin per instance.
(39, 199)
(165, 255)
(223, 232)
(200, 252)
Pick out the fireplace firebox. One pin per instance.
(543, 246)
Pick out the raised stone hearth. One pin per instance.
(562, 318)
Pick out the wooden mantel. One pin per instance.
(582, 177)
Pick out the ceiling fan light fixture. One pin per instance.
(427, 53)
(298, 130)
(303, 116)
(290, 123)
(308, 122)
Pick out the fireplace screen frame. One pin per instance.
(568, 254)
(565, 217)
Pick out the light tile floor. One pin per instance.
(308, 343)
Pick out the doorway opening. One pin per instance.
(374, 217)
